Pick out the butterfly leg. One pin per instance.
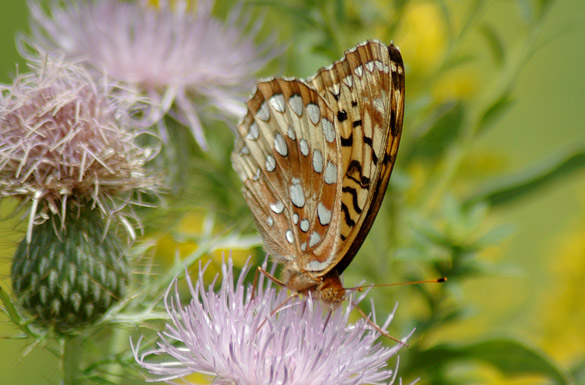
(279, 307)
(327, 320)
(271, 277)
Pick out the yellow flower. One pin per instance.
(488, 375)
(191, 4)
(422, 36)
(198, 378)
(11, 232)
(563, 333)
(191, 226)
(418, 173)
(456, 85)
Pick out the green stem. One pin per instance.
(71, 358)
(119, 342)
(330, 26)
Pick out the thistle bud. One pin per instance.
(68, 146)
(68, 279)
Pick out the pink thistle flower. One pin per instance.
(64, 137)
(235, 339)
(171, 53)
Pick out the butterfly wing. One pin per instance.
(365, 91)
(289, 160)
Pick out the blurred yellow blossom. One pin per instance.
(182, 242)
(189, 3)
(195, 378)
(198, 378)
(422, 36)
(418, 173)
(488, 375)
(456, 85)
(481, 164)
(563, 332)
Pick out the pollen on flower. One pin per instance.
(63, 136)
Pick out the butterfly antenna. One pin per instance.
(361, 288)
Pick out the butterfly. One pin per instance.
(315, 157)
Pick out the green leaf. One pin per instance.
(495, 44)
(10, 307)
(443, 128)
(512, 358)
(340, 11)
(12, 311)
(446, 13)
(494, 112)
(494, 236)
(451, 63)
(526, 10)
(297, 13)
(544, 7)
(578, 372)
(509, 189)
(534, 11)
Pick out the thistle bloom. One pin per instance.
(64, 137)
(233, 337)
(171, 53)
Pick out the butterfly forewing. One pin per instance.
(289, 160)
(365, 90)
(315, 158)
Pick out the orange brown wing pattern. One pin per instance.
(315, 157)
(365, 90)
(289, 161)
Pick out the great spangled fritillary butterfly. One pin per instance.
(315, 157)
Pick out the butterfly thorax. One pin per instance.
(327, 288)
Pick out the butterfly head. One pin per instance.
(331, 291)
(327, 288)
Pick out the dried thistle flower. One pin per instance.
(234, 339)
(63, 136)
(172, 53)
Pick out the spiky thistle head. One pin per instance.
(69, 144)
(243, 335)
(64, 136)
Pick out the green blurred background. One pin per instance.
(538, 292)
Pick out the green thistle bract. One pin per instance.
(69, 279)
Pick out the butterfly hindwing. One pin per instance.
(289, 160)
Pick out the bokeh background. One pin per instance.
(529, 282)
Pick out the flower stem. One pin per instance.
(118, 342)
(71, 357)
